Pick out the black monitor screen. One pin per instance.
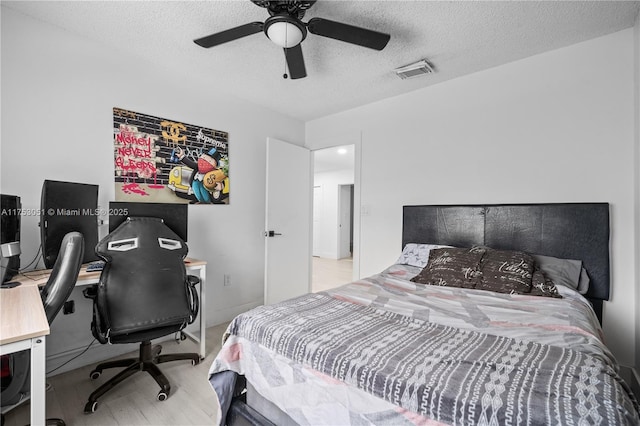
(67, 207)
(174, 215)
(11, 211)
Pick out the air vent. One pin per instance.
(414, 70)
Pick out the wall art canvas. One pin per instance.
(164, 161)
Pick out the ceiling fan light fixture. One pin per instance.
(285, 31)
(284, 27)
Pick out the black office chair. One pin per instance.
(55, 292)
(144, 293)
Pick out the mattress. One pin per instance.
(385, 350)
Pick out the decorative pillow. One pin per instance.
(506, 271)
(542, 285)
(416, 254)
(452, 267)
(566, 272)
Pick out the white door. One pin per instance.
(344, 225)
(317, 219)
(288, 221)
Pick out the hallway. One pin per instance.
(329, 273)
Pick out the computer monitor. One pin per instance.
(11, 210)
(67, 207)
(175, 216)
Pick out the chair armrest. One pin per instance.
(91, 292)
(193, 280)
(194, 301)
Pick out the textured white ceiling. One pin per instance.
(458, 38)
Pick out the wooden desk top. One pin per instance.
(39, 277)
(22, 315)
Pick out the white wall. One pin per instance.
(556, 127)
(58, 91)
(328, 210)
(636, 32)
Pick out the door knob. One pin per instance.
(271, 234)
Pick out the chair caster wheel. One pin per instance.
(91, 407)
(194, 362)
(162, 396)
(95, 374)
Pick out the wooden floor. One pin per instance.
(133, 402)
(330, 273)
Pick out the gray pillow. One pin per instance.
(566, 272)
(583, 285)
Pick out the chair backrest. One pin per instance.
(63, 275)
(143, 289)
(55, 292)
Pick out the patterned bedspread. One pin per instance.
(384, 350)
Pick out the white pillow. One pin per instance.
(416, 254)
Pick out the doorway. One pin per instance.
(333, 217)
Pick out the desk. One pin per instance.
(24, 302)
(194, 267)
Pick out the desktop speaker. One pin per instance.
(10, 231)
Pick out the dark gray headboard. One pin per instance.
(564, 230)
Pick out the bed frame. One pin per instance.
(564, 230)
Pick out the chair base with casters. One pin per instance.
(144, 294)
(147, 361)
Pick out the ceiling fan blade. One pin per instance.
(348, 33)
(230, 34)
(295, 62)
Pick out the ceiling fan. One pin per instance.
(285, 28)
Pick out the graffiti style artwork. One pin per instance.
(163, 161)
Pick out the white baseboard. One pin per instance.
(225, 315)
(327, 255)
(95, 354)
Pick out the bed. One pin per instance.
(389, 349)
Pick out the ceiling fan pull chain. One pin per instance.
(285, 76)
